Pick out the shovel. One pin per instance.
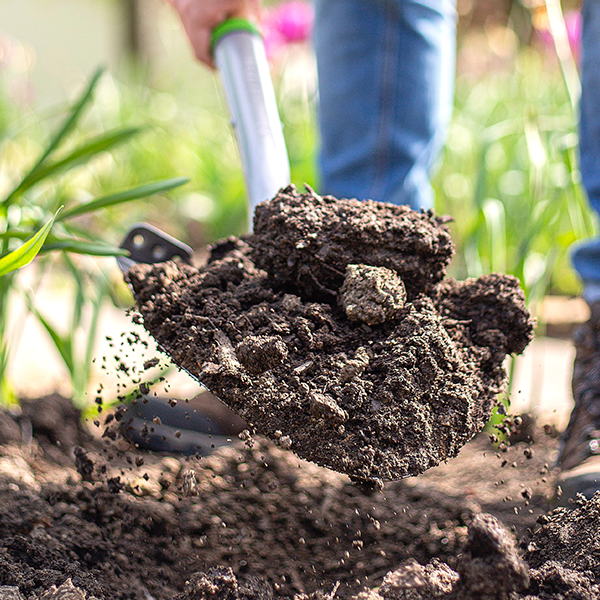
(241, 60)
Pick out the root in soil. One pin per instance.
(331, 331)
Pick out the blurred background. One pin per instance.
(508, 176)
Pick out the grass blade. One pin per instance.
(68, 125)
(77, 246)
(495, 222)
(15, 234)
(62, 343)
(125, 196)
(535, 147)
(80, 155)
(83, 372)
(560, 36)
(79, 277)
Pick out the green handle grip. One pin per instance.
(232, 25)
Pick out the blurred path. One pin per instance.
(542, 383)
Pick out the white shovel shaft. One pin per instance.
(240, 58)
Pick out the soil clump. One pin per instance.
(331, 331)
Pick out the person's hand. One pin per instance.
(200, 17)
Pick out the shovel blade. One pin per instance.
(148, 244)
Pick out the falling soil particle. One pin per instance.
(331, 328)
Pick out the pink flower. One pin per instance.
(287, 23)
(274, 41)
(573, 23)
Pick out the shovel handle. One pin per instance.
(239, 54)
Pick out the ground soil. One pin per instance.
(252, 521)
(331, 331)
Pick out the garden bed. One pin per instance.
(256, 522)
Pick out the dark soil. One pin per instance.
(253, 522)
(331, 331)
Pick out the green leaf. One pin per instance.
(79, 277)
(535, 147)
(25, 253)
(125, 196)
(8, 395)
(80, 155)
(495, 221)
(67, 126)
(78, 246)
(81, 380)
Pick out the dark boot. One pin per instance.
(579, 459)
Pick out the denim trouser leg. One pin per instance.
(586, 257)
(386, 82)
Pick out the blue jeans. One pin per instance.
(586, 256)
(386, 81)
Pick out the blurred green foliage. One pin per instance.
(510, 179)
(508, 175)
(41, 212)
(185, 137)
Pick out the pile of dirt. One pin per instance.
(331, 331)
(53, 421)
(252, 522)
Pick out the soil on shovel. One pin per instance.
(331, 331)
(252, 522)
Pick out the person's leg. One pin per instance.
(586, 257)
(386, 75)
(580, 455)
